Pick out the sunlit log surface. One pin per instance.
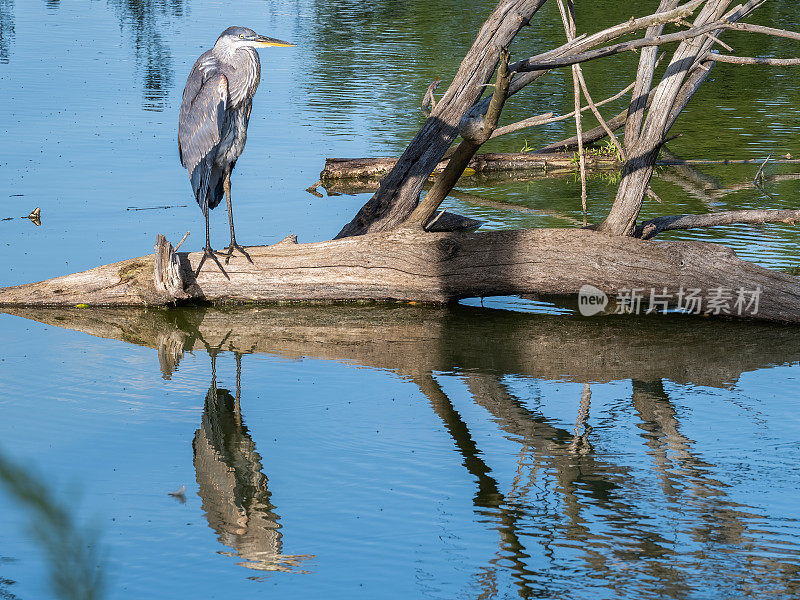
(412, 340)
(428, 267)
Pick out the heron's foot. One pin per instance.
(209, 252)
(234, 246)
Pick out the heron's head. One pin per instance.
(234, 38)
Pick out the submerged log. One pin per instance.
(410, 265)
(490, 162)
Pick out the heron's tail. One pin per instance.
(207, 185)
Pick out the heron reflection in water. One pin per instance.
(232, 485)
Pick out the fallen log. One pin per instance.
(490, 162)
(410, 265)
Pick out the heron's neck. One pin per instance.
(234, 56)
(243, 72)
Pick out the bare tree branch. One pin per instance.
(474, 133)
(568, 20)
(597, 114)
(784, 33)
(542, 119)
(591, 135)
(753, 60)
(581, 57)
(542, 63)
(644, 79)
(546, 118)
(653, 227)
(585, 42)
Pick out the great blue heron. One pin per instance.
(215, 111)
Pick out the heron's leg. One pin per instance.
(226, 184)
(208, 251)
(207, 248)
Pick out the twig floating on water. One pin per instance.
(312, 189)
(35, 216)
(157, 207)
(179, 494)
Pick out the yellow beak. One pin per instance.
(263, 42)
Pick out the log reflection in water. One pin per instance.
(409, 340)
(488, 495)
(231, 483)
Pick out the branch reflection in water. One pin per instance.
(573, 514)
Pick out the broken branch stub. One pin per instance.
(474, 131)
(167, 271)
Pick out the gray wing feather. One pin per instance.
(205, 99)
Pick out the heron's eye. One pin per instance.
(241, 35)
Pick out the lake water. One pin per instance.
(493, 449)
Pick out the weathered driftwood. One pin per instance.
(429, 267)
(490, 162)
